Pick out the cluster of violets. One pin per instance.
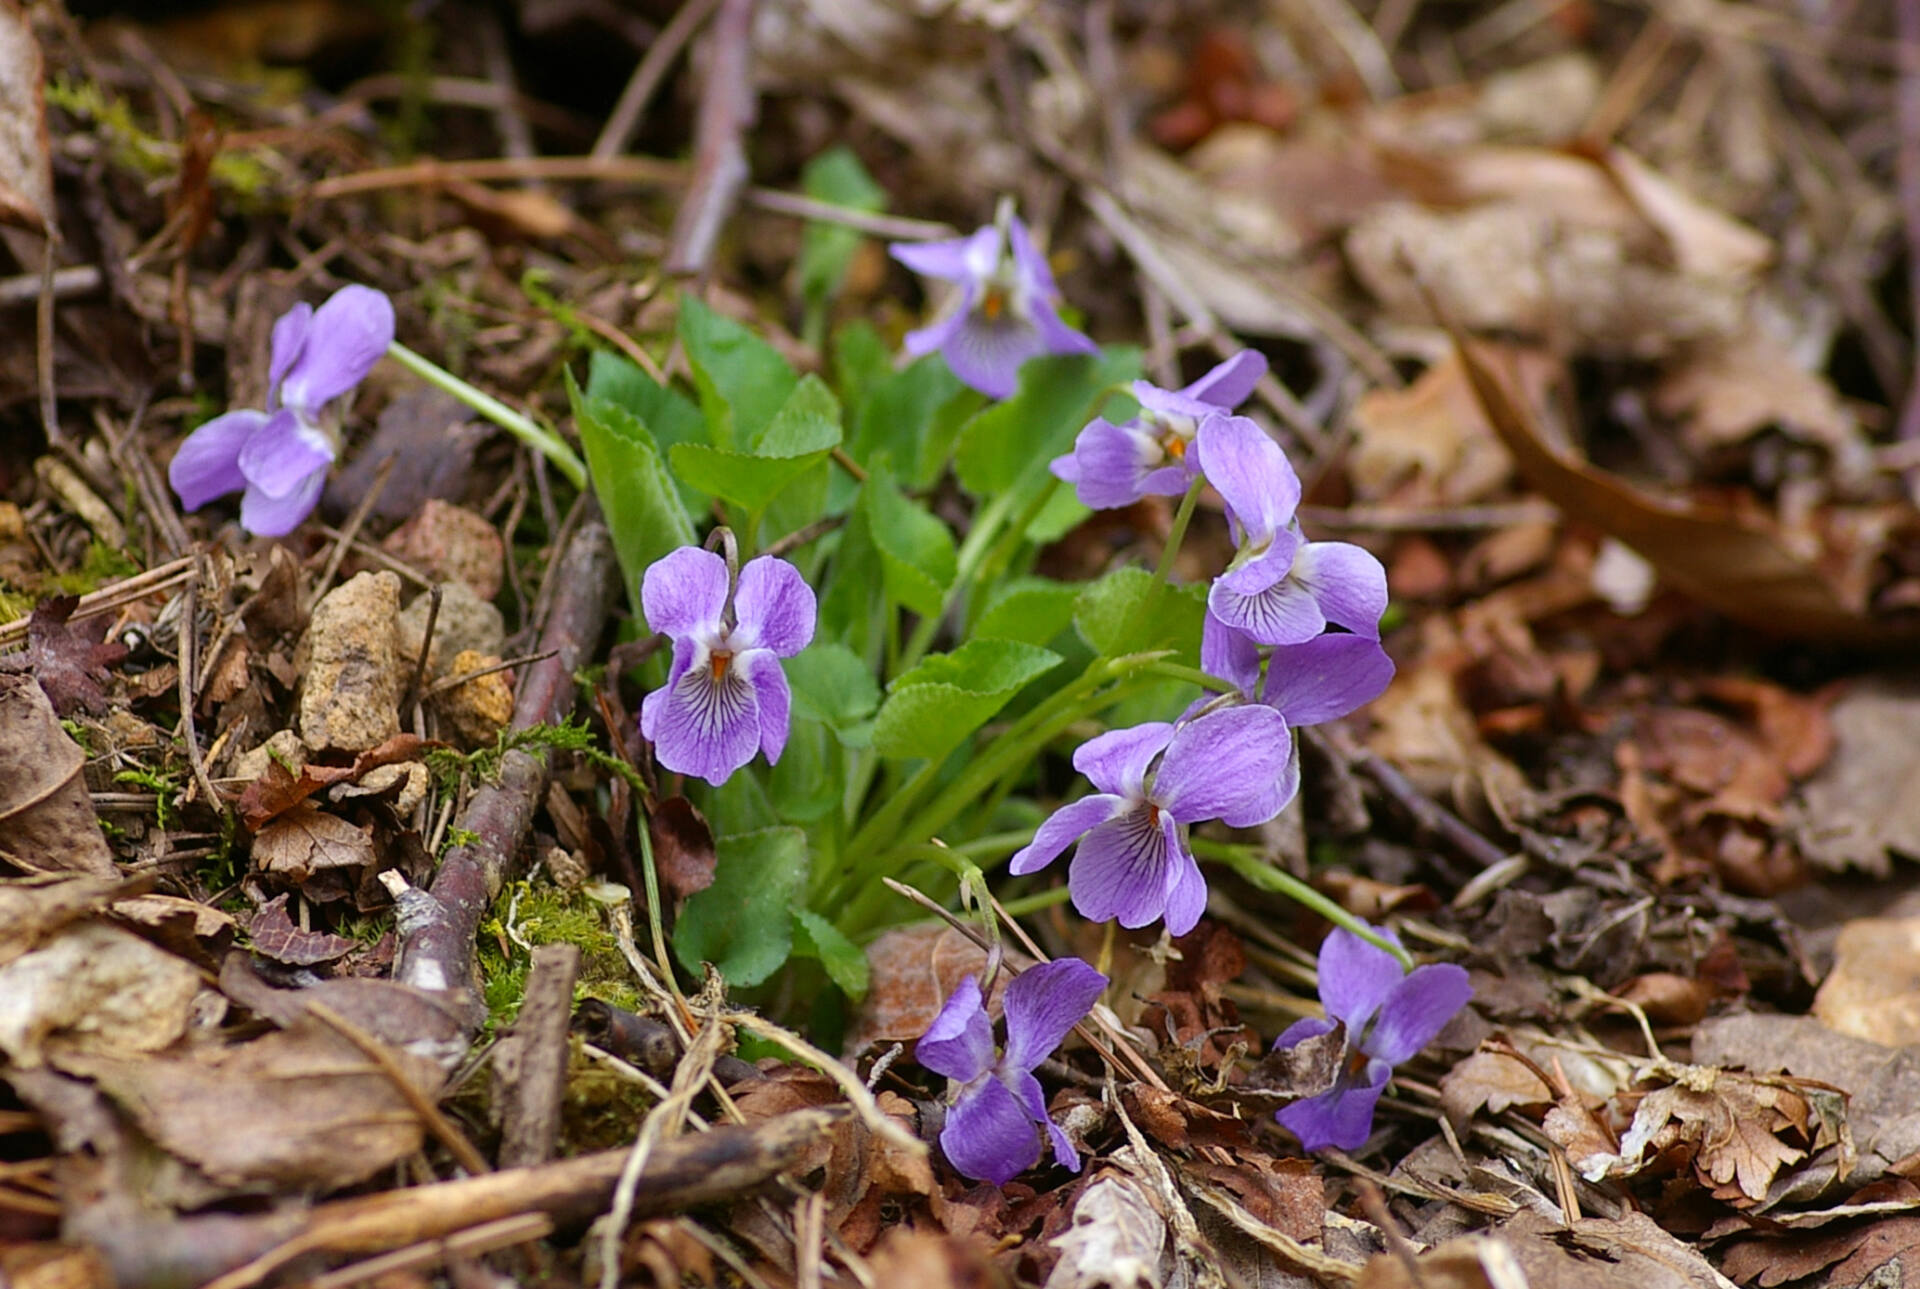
(1291, 625)
(1294, 627)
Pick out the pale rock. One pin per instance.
(283, 746)
(465, 622)
(350, 693)
(481, 708)
(451, 545)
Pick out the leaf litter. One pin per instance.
(1610, 378)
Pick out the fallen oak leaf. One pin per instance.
(279, 790)
(69, 664)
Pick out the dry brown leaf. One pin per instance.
(301, 1108)
(1118, 1239)
(26, 162)
(1493, 1080)
(682, 846)
(305, 841)
(1873, 991)
(93, 988)
(914, 971)
(1732, 560)
(34, 910)
(47, 821)
(273, 935)
(1864, 803)
(1730, 1125)
(1429, 443)
(1730, 391)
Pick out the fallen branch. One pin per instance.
(243, 1251)
(437, 927)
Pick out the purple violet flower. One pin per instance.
(1132, 862)
(990, 1130)
(1280, 589)
(1310, 683)
(280, 456)
(725, 695)
(1003, 313)
(1151, 455)
(1390, 1014)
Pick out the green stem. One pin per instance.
(1193, 676)
(1025, 904)
(1002, 552)
(534, 435)
(650, 874)
(1249, 865)
(973, 548)
(1018, 740)
(1178, 533)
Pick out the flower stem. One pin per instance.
(536, 436)
(1243, 861)
(1193, 676)
(1178, 533)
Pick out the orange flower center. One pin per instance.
(994, 303)
(718, 661)
(1174, 446)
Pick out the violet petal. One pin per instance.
(1061, 829)
(344, 340)
(283, 455)
(1325, 678)
(774, 606)
(1347, 582)
(959, 1043)
(704, 725)
(207, 464)
(267, 516)
(1225, 766)
(684, 591)
(1044, 1003)
(1341, 1118)
(1356, 977)
(1120, 868)
(989, 1135)
(775, 701)
(1418, 1008)
(1026, 1089)
(1117, 761)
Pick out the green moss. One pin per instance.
(242, 173)
(545, 914)
(101, 565)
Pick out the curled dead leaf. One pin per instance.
(1731, 559)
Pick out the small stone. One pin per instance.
(450, 544)
(350, 693)
(481, 708)
(568, 868)
(465, 622)
(403, 783)
(283, 746)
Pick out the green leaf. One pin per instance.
(668, 414)
(949, 696)
(835, 176)
(1030, 609)
(1057, 394)
(1061, 515)
(743, 381)
(861, 360)
(798, 438)
(1110, 615)
(832, 685)
(846, 965)
(849, 610)
(805, 785)
(898, 412)
(643, 511)
(917, 556)
(743, 923)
